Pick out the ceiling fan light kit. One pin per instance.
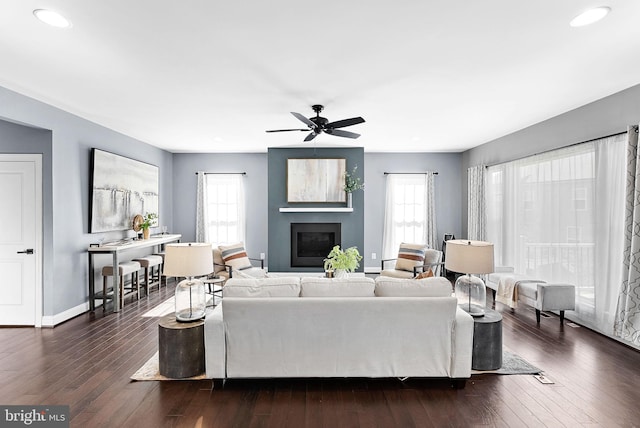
(319, 124)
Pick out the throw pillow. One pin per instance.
(410, 255)
(235, 256)
(427, 274)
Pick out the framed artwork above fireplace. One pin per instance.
(316, 180)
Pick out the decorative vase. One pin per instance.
(349, 200)
(340, 273)
(145, 233)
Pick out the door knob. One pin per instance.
(27, 251)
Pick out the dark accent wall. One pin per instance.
(279, 223)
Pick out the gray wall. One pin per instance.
(598, 119)
(66, 188)
(184, 190)
(448, 184)
(352, 230)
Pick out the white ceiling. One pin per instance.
(212, 76)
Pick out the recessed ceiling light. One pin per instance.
(52, 18)
(590, 16)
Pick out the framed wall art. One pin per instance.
(121, 188)
(315, 180)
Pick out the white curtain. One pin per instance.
(627, 320)
(558, 216)
(221, 210)
(410, 214)
(476, 205)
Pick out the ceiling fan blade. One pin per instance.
(304, 119)
(310, 137)
(285, 130)
(341, 133)
(345, 122)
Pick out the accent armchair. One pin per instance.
(412, 260)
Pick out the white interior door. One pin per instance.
(20, 240)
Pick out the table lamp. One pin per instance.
(189, 260)
(470, 257)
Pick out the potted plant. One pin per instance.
(149, 220)
(340, 262)
(351, 184)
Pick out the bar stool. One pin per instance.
(124, 268)
(148, 263)
(160, 275)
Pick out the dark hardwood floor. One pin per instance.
(87, 361)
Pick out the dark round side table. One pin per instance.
(181, 347)
(487, 341)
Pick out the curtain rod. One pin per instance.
(563, 147)
(424, 173)
(211, 173)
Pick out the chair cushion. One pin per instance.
(410, 255)
(428, 287)
(217, 261)
(337, 287)
(235, 256)
(397, 273)
(266, 287)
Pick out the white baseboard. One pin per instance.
(372, 269)
(52, 321)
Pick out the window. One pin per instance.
(224, 208)
(409, 212)
(558, 216)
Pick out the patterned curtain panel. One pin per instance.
(432, 238)
(476, 207)
(627, 323)
(201, 209)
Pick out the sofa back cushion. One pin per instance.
(264, 287)
(436, 286)
(337, 287)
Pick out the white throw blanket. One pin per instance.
(507, 292)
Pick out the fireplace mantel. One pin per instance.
(316, 210)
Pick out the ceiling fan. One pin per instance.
(318, 125)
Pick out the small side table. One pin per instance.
(487, 341)
(181, 347)
(214, 285)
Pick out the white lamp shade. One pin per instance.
(188, 259)
(466, 256)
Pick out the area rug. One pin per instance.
(512, 364)
(151, 371)
(162, 309)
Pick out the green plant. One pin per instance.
(347, 260)
(149, 220)
(351, 182)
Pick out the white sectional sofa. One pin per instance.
(353, 327)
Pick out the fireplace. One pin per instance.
(312, 242)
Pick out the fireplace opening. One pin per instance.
(312, 242)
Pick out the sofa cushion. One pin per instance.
(265, 287)
(410, 255)
(436, 286)
(235, 256)
(337, 287)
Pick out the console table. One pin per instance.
(115, 249)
